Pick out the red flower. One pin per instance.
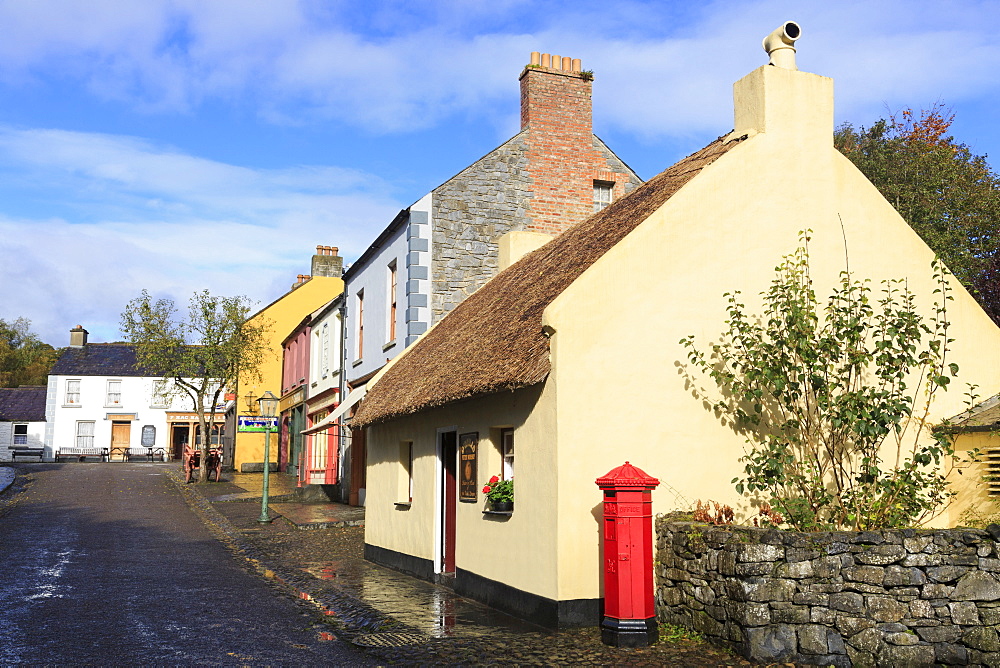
(494, 480)
(486, 489)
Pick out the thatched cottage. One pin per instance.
(567, 363)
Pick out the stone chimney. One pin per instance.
(326, 262)
(78, 337)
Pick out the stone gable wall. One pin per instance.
(902, 597)
(470, 213)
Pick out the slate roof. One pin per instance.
(22, 404)
(982, 417)
(493, 341)
(98, 359)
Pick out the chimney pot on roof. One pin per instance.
(780, 45)
(536, 58)
(326, 262)
(78, 337)
(556, 96)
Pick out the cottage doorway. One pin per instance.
(120, 437)
(449, 499)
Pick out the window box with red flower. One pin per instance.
(500, 494)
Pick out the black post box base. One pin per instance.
(629, 632)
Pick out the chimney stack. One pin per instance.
(78, 337)
(326, 262)
(300, 279)
(555, 95)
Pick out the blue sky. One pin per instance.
(178, 145)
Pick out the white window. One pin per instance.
(507, 451)
(20, 434)
(324, 351)
(72, 392)
(159, 398)
(361, 323)
(84, 434)
(114, 393)
(404, 483)
(602, 194)
(391, 311)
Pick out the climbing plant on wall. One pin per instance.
(834, 398)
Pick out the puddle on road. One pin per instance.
(423, 606)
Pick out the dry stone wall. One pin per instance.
(903, 597)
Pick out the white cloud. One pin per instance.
(128, 213)
(403, 66)
(188, 224)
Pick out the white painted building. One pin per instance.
(97, 397)
(22, 419)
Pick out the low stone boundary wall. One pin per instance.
(904, 597)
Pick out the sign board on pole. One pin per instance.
(256, 423)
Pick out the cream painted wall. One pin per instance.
(967, 479)
(520, 551)
(620, 322)
(284, 314)
(514, 245)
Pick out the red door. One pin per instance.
(449, 499)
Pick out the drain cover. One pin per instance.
(389, 639)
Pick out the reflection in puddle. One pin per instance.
(433, 610)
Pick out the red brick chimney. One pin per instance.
(555, 96)
(563, 162)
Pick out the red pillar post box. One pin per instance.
(629, 606)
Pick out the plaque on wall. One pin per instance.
(148, 435)
(468, 445)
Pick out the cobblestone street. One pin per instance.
(418, 622)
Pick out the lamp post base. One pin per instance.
(265, 520)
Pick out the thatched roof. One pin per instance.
(493, 341)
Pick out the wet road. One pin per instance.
(105, 563)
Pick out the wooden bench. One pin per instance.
(154, 454)
(25, 451)
(83, 453)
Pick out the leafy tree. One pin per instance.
(202, 354)
(948, 195)
(835, 399)
(24, 359)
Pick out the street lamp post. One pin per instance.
(268, 406)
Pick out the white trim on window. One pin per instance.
(84, 434)
(114, 395)
(72, 396)
(603, 194)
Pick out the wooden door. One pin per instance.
(449, 499)
(120, 437)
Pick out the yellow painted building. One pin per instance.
(281, 316)
(975, 436)
(569, 361)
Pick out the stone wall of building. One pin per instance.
(470, 213)
(6, 439)
(903, 597)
